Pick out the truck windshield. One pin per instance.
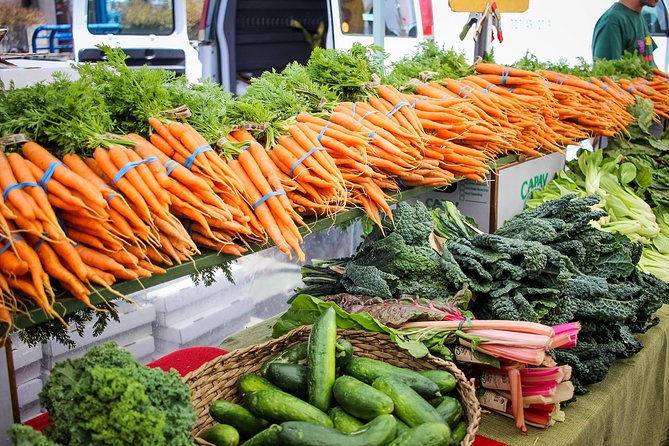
(134, 17)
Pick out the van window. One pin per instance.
(135, 17)
(357, 17)
(656, 18)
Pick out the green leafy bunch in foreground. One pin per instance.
(108, 398)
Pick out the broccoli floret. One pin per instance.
(108, 398)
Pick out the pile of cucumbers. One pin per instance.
(317, 394)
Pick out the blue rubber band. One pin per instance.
(110, 196)
(268, 196)
(325, 127)
(48, 174)
(564, 80)
(355, 104)
(363, 117)
(372, 134)
(605, 87)
(38, 244)
(397, 107)
(9, 243)
(485, 90)
(106, 186)
(61, 222)
(131, 165)
(302, 158)
(170, 166)
(18, 186)
(505, 75)
(629, 90)
(188, 163)
(511, 89)
(413, 104)
(468, 93)
(490, 86)
(242, 148)
(461, 90)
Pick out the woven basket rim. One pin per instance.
(231, 361)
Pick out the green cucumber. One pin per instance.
(410, 407)
(459, 432)
(378, 432)
(254, 383)
(297, 354)
(427, 434)
(450, 410)
(220, 435)
(343, 353)
(321, 359)
(361, 400)
(237, 416)
(292, 355)
(443, 379)
(344, 421)
(368, 370)
(278, 406)
(402, 427)
(289, 377)
(268, 437)
(436, 401)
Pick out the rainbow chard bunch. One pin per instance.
(513, 360)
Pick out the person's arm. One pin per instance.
(607, 41)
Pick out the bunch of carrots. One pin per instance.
(145, 203)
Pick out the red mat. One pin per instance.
(189, 359)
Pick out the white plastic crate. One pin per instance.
(208, 327)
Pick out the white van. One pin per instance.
(152, 33)
(551, 30)
(243, 38)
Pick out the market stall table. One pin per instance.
(630, 407)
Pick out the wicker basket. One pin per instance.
(217, 379)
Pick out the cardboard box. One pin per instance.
(504, 193)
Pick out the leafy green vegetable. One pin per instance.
(64, 115)
(22, 435)
(629, 66)
(108, 398)
(349, 74)
(132, 95)
(392, 261)
(428, 61)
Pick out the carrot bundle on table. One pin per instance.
(318, 184)
(349, 150)
(264, 190)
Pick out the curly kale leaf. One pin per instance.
(22, 435)
(513, 307)
(108, 398)
(413, 223)
(368, 280)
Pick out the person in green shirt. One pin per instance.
(622, 28)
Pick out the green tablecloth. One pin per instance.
(629, 408)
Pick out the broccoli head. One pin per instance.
(108, 398)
